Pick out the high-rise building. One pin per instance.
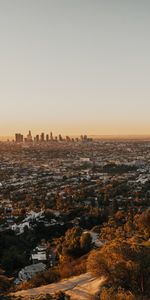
(51, 136)
(37, 138)
(42, 137)
(81, 137)
(67, 138)
(47, 138)
(18, 138)
(60, 137)
(29, 137)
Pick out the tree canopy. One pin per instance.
(123, 263)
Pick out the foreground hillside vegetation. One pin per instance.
(124, 260)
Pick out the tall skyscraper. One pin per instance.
(67, 138)
(51, 136)
(42, 137)
(60, 137)
(29, 137)
(37, 138)
(18, 138)
(47, 138)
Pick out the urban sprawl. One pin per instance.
(50, 186)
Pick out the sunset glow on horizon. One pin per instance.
(75, 67)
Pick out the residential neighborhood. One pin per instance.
(55, 192)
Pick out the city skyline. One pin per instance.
(47, 137)
(77, 67)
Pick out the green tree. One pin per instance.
(113, 294)
(124, 263)
(85, 242)
(72, 242)
(143, 221)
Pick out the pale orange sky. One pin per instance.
(75, 66)
(90, 129)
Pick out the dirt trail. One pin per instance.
(78, 287)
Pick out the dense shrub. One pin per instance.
(110, 293)
(73, 267)
(123, 263)
(43, 278)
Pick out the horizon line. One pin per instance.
(95, 136)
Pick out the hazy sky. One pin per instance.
(75, 66)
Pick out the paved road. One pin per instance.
(78, 287)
